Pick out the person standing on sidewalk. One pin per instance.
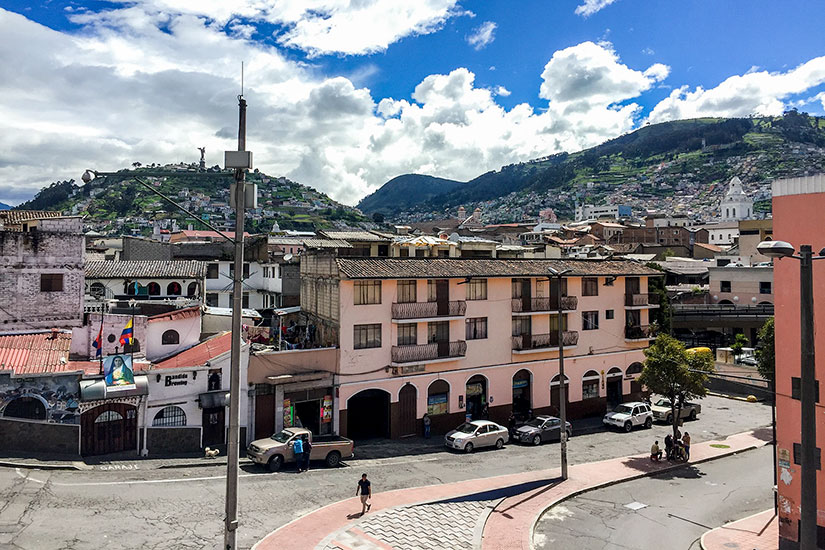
(298, 451)
(686, 443)
(365, 489)
(427, 422)
(307, 452)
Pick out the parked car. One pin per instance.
(662, 411)
(628, 415)
(541, 429)
(749, 360)
(276, 450)
(477, 434)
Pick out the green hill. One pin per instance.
(403, 192)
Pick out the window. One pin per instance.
(724, 286)
(554, 322)
(590, 286)
(438, 395)
(477, 289)
(407, 334)
(432, 291)
(796, 388)
(108, 416)
(212, 271)
(608, 314)
(51, 282)
(170, 337)
(245, 300)
(590, 320)
(797, 455)
(266, 273)
(764, 287)
(173, 289)
(407, 292)
(521, 325)
(97, 290)
(367, 336)
(590, 389)
(367, 292)
(420, 253)
(405, 252)
(153, 289)
(212, 299)
(438, 331)
(476, 328)
(170, 416)
(214, 381)
(245, 274)
(192, 289)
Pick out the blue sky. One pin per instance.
(345, 95)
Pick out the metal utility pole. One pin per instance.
(562, 379)
(808, 405)
(232, 466)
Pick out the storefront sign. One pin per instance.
(180, 379)
(410, 369)
(326, 409)
(118, 373)
(287, 413)
(474, 389)
(437, 404)
(520, 383)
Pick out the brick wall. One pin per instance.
(39, 437)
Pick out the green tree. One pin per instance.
(378, 217)
(765, 352)
(673, 372)
(740, 341)
(662, 317)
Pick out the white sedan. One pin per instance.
(476, 434)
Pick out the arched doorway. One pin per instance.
(30, 408)
(109, 428)
(153, 288)
(614, 387)
(407, 410)
(635, 369)
(555, 391)
(476, 397)
(173, 289)
(725, 303)
(368, 414)
(522, 394)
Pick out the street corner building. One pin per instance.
(798, 204)
(460, 338)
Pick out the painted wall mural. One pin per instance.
(47, 398)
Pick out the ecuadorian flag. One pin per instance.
(126, 336)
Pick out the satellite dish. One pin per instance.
(287, 257)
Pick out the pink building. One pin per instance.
(798, 204)
(469, 337)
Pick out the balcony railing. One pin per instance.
(541, 341)
(638, 332)
(568, 303)
(428, 352)
(631, 300)
(424, 310)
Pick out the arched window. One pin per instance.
(97, 290)
(438, 398)
(590, 385)
(170, 416)
(614, 372)
(734, 212)
(108, 416)
(635, 368)
(154, 289)
(192, 290)
(170, 337)
(132, 288)
(173, 289)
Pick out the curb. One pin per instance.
(632, 478)
(28, 466)
(735, 397)
(702, 538)
(191, 465)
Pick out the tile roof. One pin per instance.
(202, 234)
(198, 355)
(128, 269)
(18, 216)
(325, 243)
(35, 353)
(354, 236)
(184, 313)
(711, 247)
(428, 268)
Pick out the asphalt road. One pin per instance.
(183, 508)
(678, 507)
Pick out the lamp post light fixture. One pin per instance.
(562, 379)
(778, 250)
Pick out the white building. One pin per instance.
(592, 212)
(261, 284)
(735, 205)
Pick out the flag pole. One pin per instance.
(100, 337)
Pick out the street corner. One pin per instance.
(757, 532)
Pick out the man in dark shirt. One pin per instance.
(365, 488)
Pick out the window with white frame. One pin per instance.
(170, 416)
(590, 320)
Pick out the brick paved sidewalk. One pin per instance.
(495, 513)
(757, 532)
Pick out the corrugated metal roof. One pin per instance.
(18, 216)
(35, 352)
(428, 268)
(354, 236)
(132, 269)
(325, 243)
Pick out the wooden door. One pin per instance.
(526, 295)
(214, 429)
(442, 296)
(406, 411)
(264, 416)
(109, 428)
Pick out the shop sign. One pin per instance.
(437, 404)
(520, 383)
(180, 379)
(410, 369)
(784, 456)
(326, 409)
(474, 389)
(287, 413)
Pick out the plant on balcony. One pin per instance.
(673, 372)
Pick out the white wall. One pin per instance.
(189, 331)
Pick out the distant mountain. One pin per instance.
(403, 192)
(4, 206)
(654, 163)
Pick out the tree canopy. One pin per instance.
(765, 352)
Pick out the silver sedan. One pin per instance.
(476, 434)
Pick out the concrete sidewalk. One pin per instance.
(490, 514)
(757, 532)
(124, 461)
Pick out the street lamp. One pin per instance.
(779, 250)
(562, 379)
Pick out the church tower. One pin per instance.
(735, 205)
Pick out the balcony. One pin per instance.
(428, 310)
(638, 332)
(544, 342)
(641, 300)
(544, 305)
(429, 352)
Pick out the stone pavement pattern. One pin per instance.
(756, 532)
(510, 525)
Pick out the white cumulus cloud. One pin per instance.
(483, 35)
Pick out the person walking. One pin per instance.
(298, 451)
(686, 443)
(365, 490)
(427, 422)
(307, 444)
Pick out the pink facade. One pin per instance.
(797, 209)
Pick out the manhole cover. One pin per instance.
(635, 506)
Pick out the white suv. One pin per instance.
(628, 415)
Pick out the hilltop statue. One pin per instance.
(202, 165)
